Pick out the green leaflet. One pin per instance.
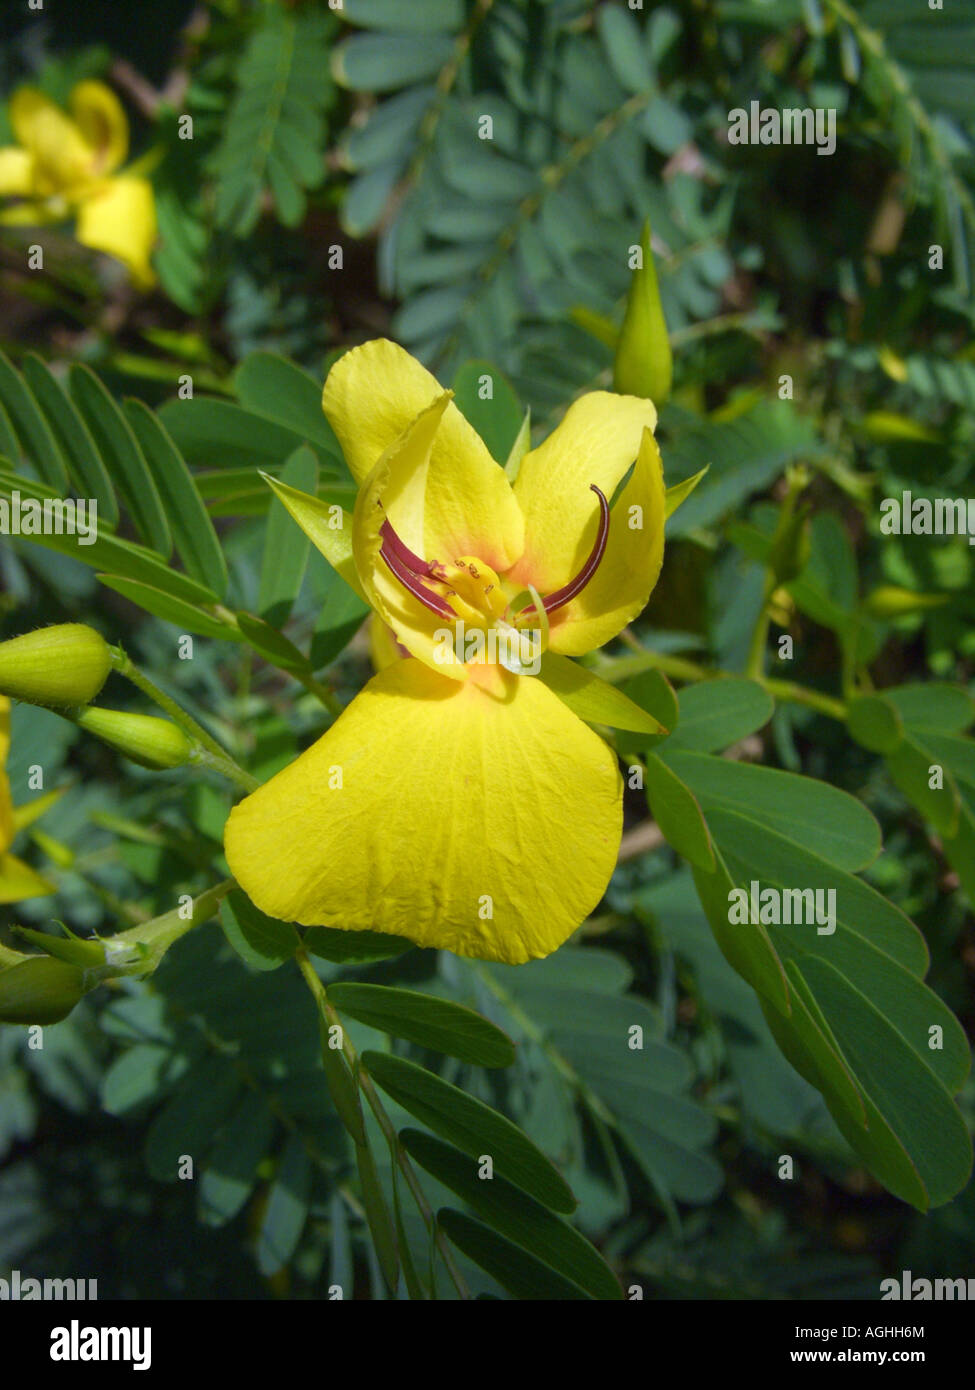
(285, 554)
(473, 1126)
(515, 1215)
(262, 941)
(520, 1273)
(423, 1019)
(189, 521)
(826, 820)
(276, 389)
(123, 458)
(715, 714)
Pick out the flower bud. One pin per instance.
(889, 601)
(38, 989)
(643, 365)
(62, 665)
(151, 742)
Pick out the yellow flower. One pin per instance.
(64, 165)
(17, 879)
(456, 802)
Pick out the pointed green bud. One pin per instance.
(62, 665)
(151, 742)
(889, 601)
(643, 365)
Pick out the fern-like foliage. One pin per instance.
(274, 137)
(526, 182)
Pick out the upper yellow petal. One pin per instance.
(372, 394)
(631, 562)
(483, 820)
(118, 216)
(395, 489)
(596, 442)
(16, 172)
(63, 161)
(100, 117)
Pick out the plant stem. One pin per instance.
(755, 664)
(321, 693)
(202, 757)
(397, 1152)
(615, 669)
(208, 752)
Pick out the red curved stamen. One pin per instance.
(575, 586)
(402, 551)
(414, 584)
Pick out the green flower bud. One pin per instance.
(62, 665)
(643, 365)
(39, 989)
(889, 601)
(151, 742)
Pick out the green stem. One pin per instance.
(208, 752)
(225, 766)
(321, 693)
(616, 669)
(755, 664)
(397, 1152)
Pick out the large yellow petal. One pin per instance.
(371, 396)
(100, 117)
(485, 821)
(62, 159)
(16, 172)
(621, 586)
(596, 442)
(118, 216)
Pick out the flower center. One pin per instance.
(470, 589)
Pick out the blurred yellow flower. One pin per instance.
(64, 166)
(17, 879)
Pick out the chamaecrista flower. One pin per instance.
(63, 165)
(455, 802)
(17, 879)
